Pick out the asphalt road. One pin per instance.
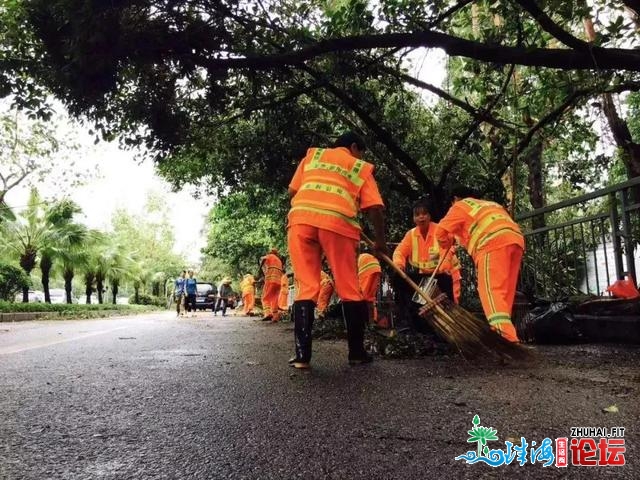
(211, 398)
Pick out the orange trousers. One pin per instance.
(324, 297)
(306, 245)
(369, 284)
(270, 295)
(248, 302)
(497, 279)
(283, 299)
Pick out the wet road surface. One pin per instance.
(209, 398)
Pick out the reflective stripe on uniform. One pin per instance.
(499, 318)
(480, 226)
(327, 188)
(309, 208)
(415, 253)
(352, 175)
(368, 266)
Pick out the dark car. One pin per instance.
(205, 296)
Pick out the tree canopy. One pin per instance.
(228, 95)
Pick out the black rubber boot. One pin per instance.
(356, 315)
(302, 312)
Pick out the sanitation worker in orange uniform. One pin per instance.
(329, 188)
(369, 273)
(248, 290)
(496, 245)
(283, 299)
(326, 291)
(272, 269)
(418, 255)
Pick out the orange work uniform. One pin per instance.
(329, 187)
(272, 268)
(496, 245)
(422, 253)
(326, 290)
(248, 290)
(283, 299)
(369, 274)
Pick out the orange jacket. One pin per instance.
(423, 253)
(367, 264)
(479, 225)
(272, 268)
(331, 187)
(247, 284)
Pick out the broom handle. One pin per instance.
(433, 274)
(399, 271)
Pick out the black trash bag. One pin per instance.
(550, 323)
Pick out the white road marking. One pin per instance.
(43, 344)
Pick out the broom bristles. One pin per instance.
(470, 335)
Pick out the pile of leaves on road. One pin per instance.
(405, 345)
(382, 342)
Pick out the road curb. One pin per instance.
(28, 316)
(21, 316)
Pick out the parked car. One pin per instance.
(206, 296)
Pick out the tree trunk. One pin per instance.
(136, 294)
(88, 286)
(45, 269)
(27, 262)
(68, 278)
(114, 290)
(629, 150)
(99, 288)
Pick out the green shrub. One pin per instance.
(10, 307)
(144, 299)
(12, 281)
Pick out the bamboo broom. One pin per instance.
(470, 335)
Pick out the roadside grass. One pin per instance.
(63, 311)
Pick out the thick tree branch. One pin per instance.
(381, 134)
(552, 27)
(594, 58)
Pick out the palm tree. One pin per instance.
(92, 252)
(68, 237)
(74, 255)
(37, 228)
(110, 264)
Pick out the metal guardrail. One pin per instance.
(587, 253)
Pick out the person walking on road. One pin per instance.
(190, 287)
(496, 246)
(329, 188)
(178, 293)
